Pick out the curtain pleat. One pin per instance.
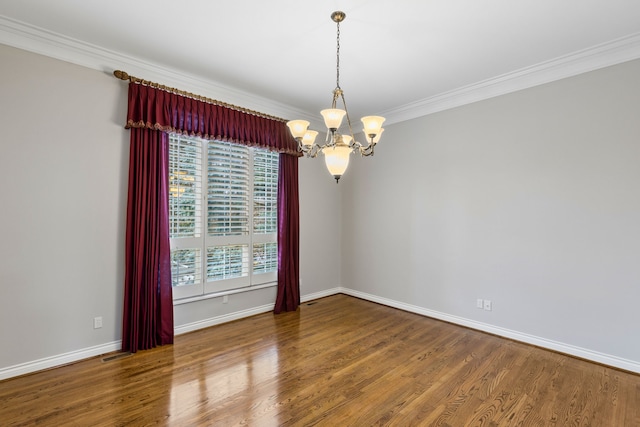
(288, 294)
(148, 304)
(154, 108)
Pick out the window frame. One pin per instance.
(204, 287)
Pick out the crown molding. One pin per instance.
(34, 39)
(590, 59)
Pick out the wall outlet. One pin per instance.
(487, 305)
(97, 322)
(225, 299)
(479, 303)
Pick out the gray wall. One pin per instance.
(530, 200)
(64, 162)
(63, 150)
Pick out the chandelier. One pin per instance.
(337, 146)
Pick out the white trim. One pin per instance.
(75, 356)
(603, 55)
(217, 320)
(86, 353)
(595, 356)
(220, 294)
(59, 360)
(28, 37)
(34, 39)
(321, 294)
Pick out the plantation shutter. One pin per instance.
(228, 221)
(223, 216)
(228, 189)
(185, 218)
(265, 216)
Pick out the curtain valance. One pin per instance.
(153, 108)
(148, 304)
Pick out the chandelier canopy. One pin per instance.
(337, 146)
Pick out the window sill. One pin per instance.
(223, 293)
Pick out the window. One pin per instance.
(222, 216)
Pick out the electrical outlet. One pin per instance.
(479, 303)
(487, 305)
(97, 322)
(225, 299)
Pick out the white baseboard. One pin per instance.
(58, 360)
(74, 356)
(583, 353)
(217, 320)
(86, 353)
(321, 294)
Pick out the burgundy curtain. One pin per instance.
(154, 108)
(148, 305)
(288, 297)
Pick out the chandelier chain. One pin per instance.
(338, 56)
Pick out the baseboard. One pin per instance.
(217, 320)
(86, 353)
(59, 360)
(583, 353)
(321, 294)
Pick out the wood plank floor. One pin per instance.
(338, 361)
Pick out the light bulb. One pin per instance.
(372, 125)
(333, 117)
(337, 160)
(298, 127)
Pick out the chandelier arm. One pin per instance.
(344, 103)
(304, 149)
(314, 151)
(330, 140)
(310, 151)
(367, 151)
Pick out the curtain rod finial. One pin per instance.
(121, 75)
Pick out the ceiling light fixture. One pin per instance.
(337, 147)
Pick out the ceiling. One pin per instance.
(394, 54)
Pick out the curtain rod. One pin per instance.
(125, 76)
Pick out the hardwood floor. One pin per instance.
(338, 361)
